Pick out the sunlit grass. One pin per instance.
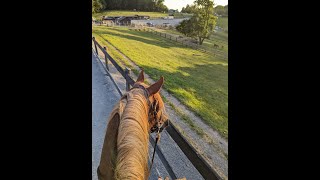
(219, 37)
(198, 80)
(223, 22)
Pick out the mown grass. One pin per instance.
(197, 79)
(129, 13)
(188, 120)
(171, 31)
(223, 22)
(123, 62)
(219, 37)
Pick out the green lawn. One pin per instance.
(170, 31)
(113, 53)
(220, 38)
(129, 13)
(223, 22)
(197, 79)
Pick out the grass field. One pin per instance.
(114, 54)
(219, 37)
(223, 22)
(129, 13)
(195, 78)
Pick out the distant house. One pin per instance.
(123, 20)
(172, 11)
(109, 20)
(168, 17)
(162, 22)
(127, 19)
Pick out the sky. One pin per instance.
(178, 4)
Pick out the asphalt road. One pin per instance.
(104, 96)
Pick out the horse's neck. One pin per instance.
(132, 141)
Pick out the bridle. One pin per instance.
(152, 112)
(152, 115)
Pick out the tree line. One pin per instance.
(219, 10)
(138, 5)
(191, 9)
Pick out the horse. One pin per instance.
(139, 112)
(215, 46)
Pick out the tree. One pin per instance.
(186, 27)
(97, 6)
(189, 9)
(219, 10)
(183, 10)
(226, 10)
(201, 24)
(159, 6)
(140, 5)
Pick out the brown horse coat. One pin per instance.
(125, 149)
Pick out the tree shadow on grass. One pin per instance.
(202, 88)
(142, 37)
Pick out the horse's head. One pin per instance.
(158, 117)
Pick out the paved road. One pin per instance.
(104, 96)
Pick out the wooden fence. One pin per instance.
(186, 42)
(196, 159)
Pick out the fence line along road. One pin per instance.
(188, 44)
(195, 158)
(213, 51)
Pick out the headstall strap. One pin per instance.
(152, 113)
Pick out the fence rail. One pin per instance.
(195, 158)
(183, 41)
(188, 44)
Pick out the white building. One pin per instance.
(172, 22)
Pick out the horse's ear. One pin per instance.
(140, 77)
(154, 88)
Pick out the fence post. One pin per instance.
(105, 57)
(127, 72)
(95, 45)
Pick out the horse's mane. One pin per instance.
(132, 140)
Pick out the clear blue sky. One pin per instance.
(178, 4)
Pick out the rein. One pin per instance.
(155, 147)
